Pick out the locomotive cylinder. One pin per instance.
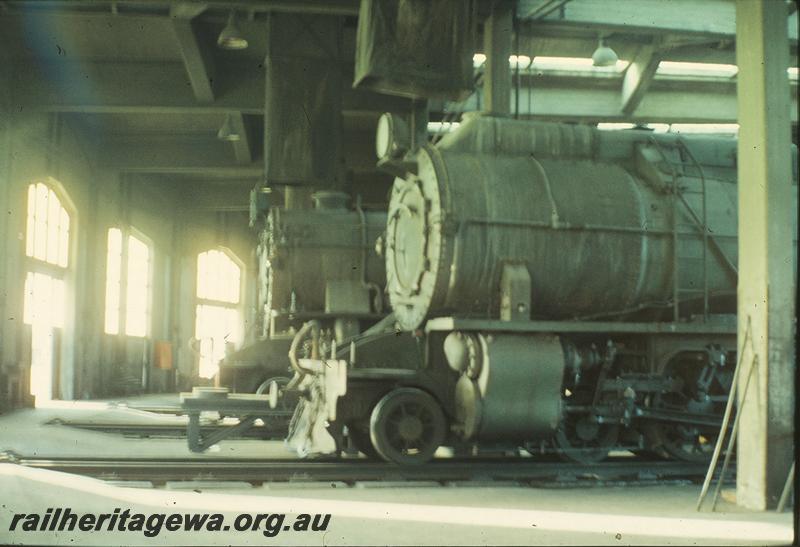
(594, 216)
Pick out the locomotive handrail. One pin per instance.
(725, 260)
(701, 224)
(378, 301)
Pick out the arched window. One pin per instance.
(48, 226)
(128, 291)
(47, 241)
(218, 311)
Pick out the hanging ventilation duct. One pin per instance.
(302, 118)
(416, 48)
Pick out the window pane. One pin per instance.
(215, 327)
(53, 218)
(47, 226)
(137, 302)
(40, 228)
(232, 278)
(218, 277)
(113, 274)
(204, 282)
(31, 216)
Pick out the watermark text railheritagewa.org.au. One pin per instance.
(62, 519)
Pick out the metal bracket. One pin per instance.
(515, 293)
(198, 443)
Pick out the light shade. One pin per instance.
(228, 132)
(604, 55)
(231, 37)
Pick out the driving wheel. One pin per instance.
(362, 442)
(691, 442)
(407, 426)
(683, 441)
(580, 438)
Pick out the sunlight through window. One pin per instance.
(579, 64)
(44, 304)
(48, 226)
(134, 259)
(217, 312)
(137, 310)
(44, 300)
(678, 68)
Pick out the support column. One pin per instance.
(766, 272)
(497, 30)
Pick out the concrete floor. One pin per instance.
(27, 433)
(368, 515)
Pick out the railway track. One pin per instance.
(352, 471)
(268, 430)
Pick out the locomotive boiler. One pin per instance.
(576, 289)
(595, 219)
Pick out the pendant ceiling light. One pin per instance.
(231, 37)
(604, 56)
(227, 132)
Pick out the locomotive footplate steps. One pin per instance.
(246, 407)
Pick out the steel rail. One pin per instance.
(268, 431)
(349, 471)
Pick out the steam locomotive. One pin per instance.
(566, 289)
(313, 264)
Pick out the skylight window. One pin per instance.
(582, 64)
(675, 68)
(658, 127)
(612, 126)
(520, 61)
(515, 61)
(716, 128)
(727, 128)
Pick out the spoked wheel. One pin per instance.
(362, 442)
(581, 439)
(686, 442)
(407, 426)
